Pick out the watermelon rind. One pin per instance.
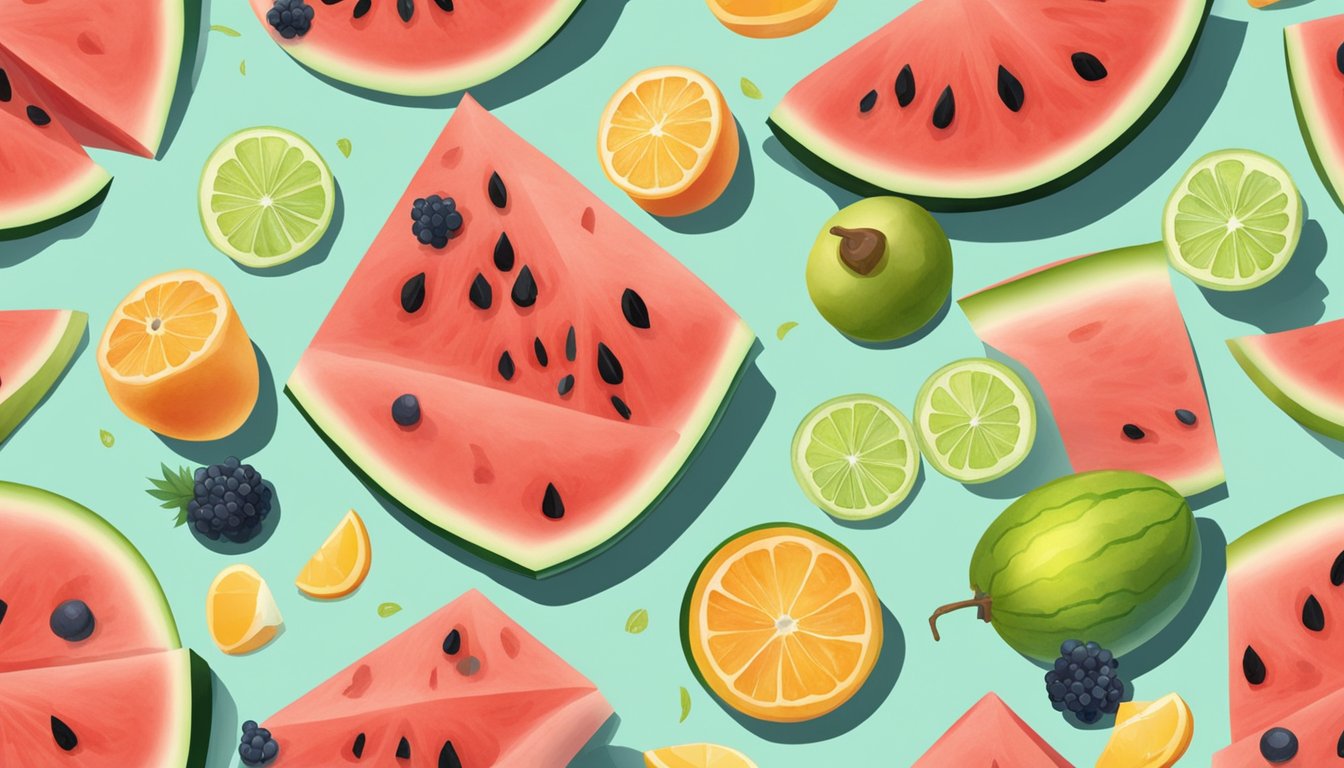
(1312, 112)
(59, 350)
(534, 559)
(1297, 400)
(1257, 547)
(75, 198)
(1068, 164)
(200, 721)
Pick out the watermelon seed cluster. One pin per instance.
(36, 115)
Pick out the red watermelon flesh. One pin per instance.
(1318, 728)
(1104, 336)
(607, 439)
(1301, 371)
(991, 735)
(1315, 51)
(500, 699)
(38, 345)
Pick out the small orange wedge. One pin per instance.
(782, 623)
(668, 141)
(770, 18)
(175, 358)
(240, 611)
(340, 565)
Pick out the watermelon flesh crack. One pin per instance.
(1301, 371)
(1105, 338)
(1315, 52)
(38, 346)
(991, 734)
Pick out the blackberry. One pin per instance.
(436, 220)
(228, 499)
(1084, 681)
(291, 18)
(257, 747)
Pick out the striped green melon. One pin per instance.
(1108, 557)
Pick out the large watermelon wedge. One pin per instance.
(420, 47)
(1315, 51)
(1104, 336)
(464, 687)
(1302, 371)
(1317, 728)
(37, 347)
(564, 366)
(991, 734)
(976, 103)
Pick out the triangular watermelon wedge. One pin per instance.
(991, 735)
(1315, 51)
(35, 348)
(1317, 728)
(1301, 371)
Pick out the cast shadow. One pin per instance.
(890, 516)
(222, 546)
(730, 206)
(196, 29)
(249, 439)
(905, 341)
(1164, 645)
(1293, 299)
(1206, 498)
(578, 40)
(784, 158)
(650, 535)
(1334, 446)
(601, 753)
(320, 250)
(1047, 461)
(1283, 4)
(79, 350)
(17, 246)
(224, 729)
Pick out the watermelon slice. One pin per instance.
(1317, 729)
(38, 345)
(1302, 371)
(991, 734)
(551, 419)
(974, 103)
(1315, 51)
(1105, 338)
(466, 682)
(420, 47)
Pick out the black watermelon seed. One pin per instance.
(1313, 616)
(1088, 67)
(6, 92)
(448, 756)
(362, 7)
(1133, 432)
(868, 101)
(608, 366)
(1187, 418)
(452, 643)
(1252, 666)
(506, 366)
(65, 738)
(524, 292)
(620, 407)
(406, 410)
(565, 385)
(357, 749)
(446, 5)
(331, 2)
(404, 749)
(38, 115)
(503, 253)
(72, 621)
(635, 310)
(413, 293)
(480, 293)
(405, 9)
(539, 350)
(1339, 746)
(945, 109)
(1278, 745)
(905, 86)
(3, 608)
(571, 348)
(552, 505)
(1010, 90)
(1336, 576)
(1339, 59)
(499, 195)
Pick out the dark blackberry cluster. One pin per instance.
(257, 747)
(230, 500)
(291, 18)
(1084, 681)
(436, 220)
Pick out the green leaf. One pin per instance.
(750, 90)
(106, 437)
(638, 621)
(685, 704)
(784, 328)
(242, 67)
(175, 490)
(387, 609)
(223, 30)
(344, 145)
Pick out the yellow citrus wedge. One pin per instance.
(668, 141)
(240, 612)
(696, 756)
(342, 562)
(176, 358)
(770, 18)
(782, 623)
(1149, 734)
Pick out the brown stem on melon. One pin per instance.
(861, 249)
(981, 602)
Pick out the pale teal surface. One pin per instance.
(753, 255)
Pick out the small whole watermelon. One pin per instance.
(1107, 557)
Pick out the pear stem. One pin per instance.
(861, 249)
(982, 602)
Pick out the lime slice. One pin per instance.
(855, 456)
(266, 197)
(976, 420)
(1233, 221)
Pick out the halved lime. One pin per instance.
(1233, 221)
(975, 419)
(855, 456)
(266, 197)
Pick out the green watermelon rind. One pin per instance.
(1329, 160)
(1257, 547)
(202, 705)
(805, 143)
(1283, 390)
(16, 407)
(57, 207)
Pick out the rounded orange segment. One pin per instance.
(175, 358)
(783, 624)
(240, 611)
(668, 141)
(770, 18)
(340, 565)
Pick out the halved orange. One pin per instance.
(668, 140)
(782, 623)
(176, 358)
(769, 18)
(342, 562)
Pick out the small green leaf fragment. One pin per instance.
(638, 621)
(106, 437)
(387, 609)
(685, 704)
(223, 30)
(784, 328)
(344, 145)
(242, 67)
(750, 90)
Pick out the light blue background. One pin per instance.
(750, 248)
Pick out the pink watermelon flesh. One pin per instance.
(991, 735)
(974, 102)
(1318, 729)
(1104, 336)
(502, 699)
(1315, 51)
(38, 345)
(479, 463)
(1301, 371)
